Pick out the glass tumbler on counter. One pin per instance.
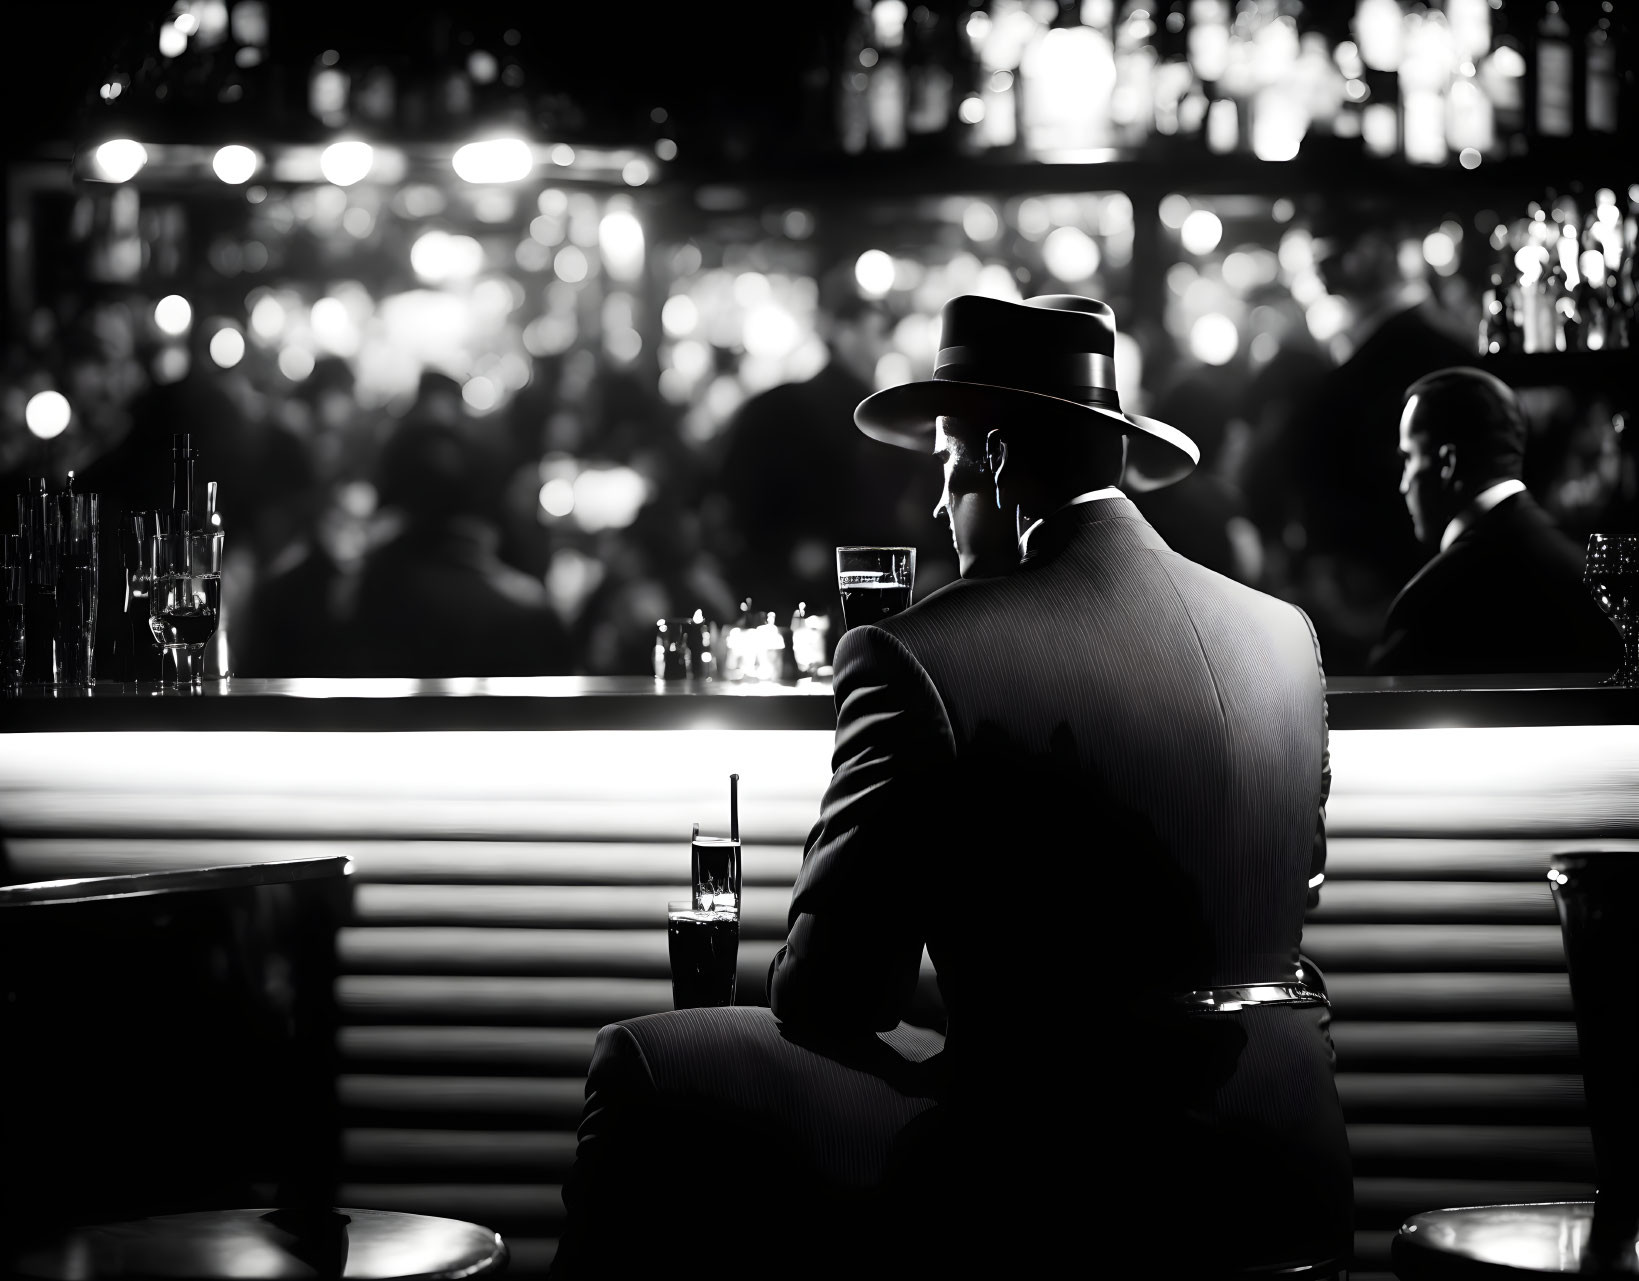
(184, 600)
(874, 582)
(40, 528)
(13, 592)
(78, 568)
(704, 949)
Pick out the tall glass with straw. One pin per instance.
(703, 932)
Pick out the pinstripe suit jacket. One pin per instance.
(1093, 782)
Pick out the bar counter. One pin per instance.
(620, 702)
(514, 844)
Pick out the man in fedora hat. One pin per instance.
(1089, 779)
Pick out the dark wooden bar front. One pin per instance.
(514, 843)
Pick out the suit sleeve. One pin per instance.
(856, 924)
(1317, 860)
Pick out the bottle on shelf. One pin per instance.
(1068, 76)
(1000, 42)
(930, 80)
(1552, 105)
(1601, 76)
(853, 123)
(1132, 104)
(39, 532)
(885, 89)
(1173, 76)
(218, 661)
(1502, 75)
(182, 497)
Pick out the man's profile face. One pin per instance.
(986, 542)
(1420, 483)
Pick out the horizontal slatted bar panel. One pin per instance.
(1433, 1096)
(535, 1051)
(1444, 902)
(510, 889)
(1374, 1045)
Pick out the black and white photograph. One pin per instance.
(867, 638)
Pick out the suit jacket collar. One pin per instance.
(1515, 507)
(1062, 527)
(1485, 502)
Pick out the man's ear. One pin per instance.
(1448, 468)
(996, 460)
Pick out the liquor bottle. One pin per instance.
(328, 90)
(1552, 106)
(1602, 81)
(1470, 119)
(182, 461)
(1425, 79)
(217, 653)
(1323, 92)
(967, 78)
(1502, 76)
(1068, 75)
(39, 533)
(853, 124)
(1132, 106)
(1497, 331)
(885, 92)
(1173, 75)
(930, 81)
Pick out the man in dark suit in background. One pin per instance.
(1090, 778)
(1505, 592)
(1358, 550)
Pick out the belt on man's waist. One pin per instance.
(1239, 996)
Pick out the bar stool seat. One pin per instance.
(1501, 1243)
(267, 1245)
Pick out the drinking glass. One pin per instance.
(1611, 573)
(13, 593)
(185, 599)
(874, 582)
(704, 947)
(78, 565)
(40, 529)
(715, 864)
(134, 656)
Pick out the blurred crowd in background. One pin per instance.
(473, 420)
(452, 531)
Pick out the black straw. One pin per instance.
(734, 807)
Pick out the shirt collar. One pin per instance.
(1483, 502)
(1092, 495)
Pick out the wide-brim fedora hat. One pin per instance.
(1050, 359)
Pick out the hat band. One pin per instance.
(1082, 376)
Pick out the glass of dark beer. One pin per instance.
(704, 946)
(874, 582)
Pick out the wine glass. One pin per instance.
(1611, 573)
(184, 599)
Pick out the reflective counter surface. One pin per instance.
(632, 702)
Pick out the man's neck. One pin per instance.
(1486, 497)
(1027, 525)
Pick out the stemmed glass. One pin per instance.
(1611, 573)
(184, 599)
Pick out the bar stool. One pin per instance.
(258, 1245)
(1597, 894)
(1502, 1243)
(170, 1059)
